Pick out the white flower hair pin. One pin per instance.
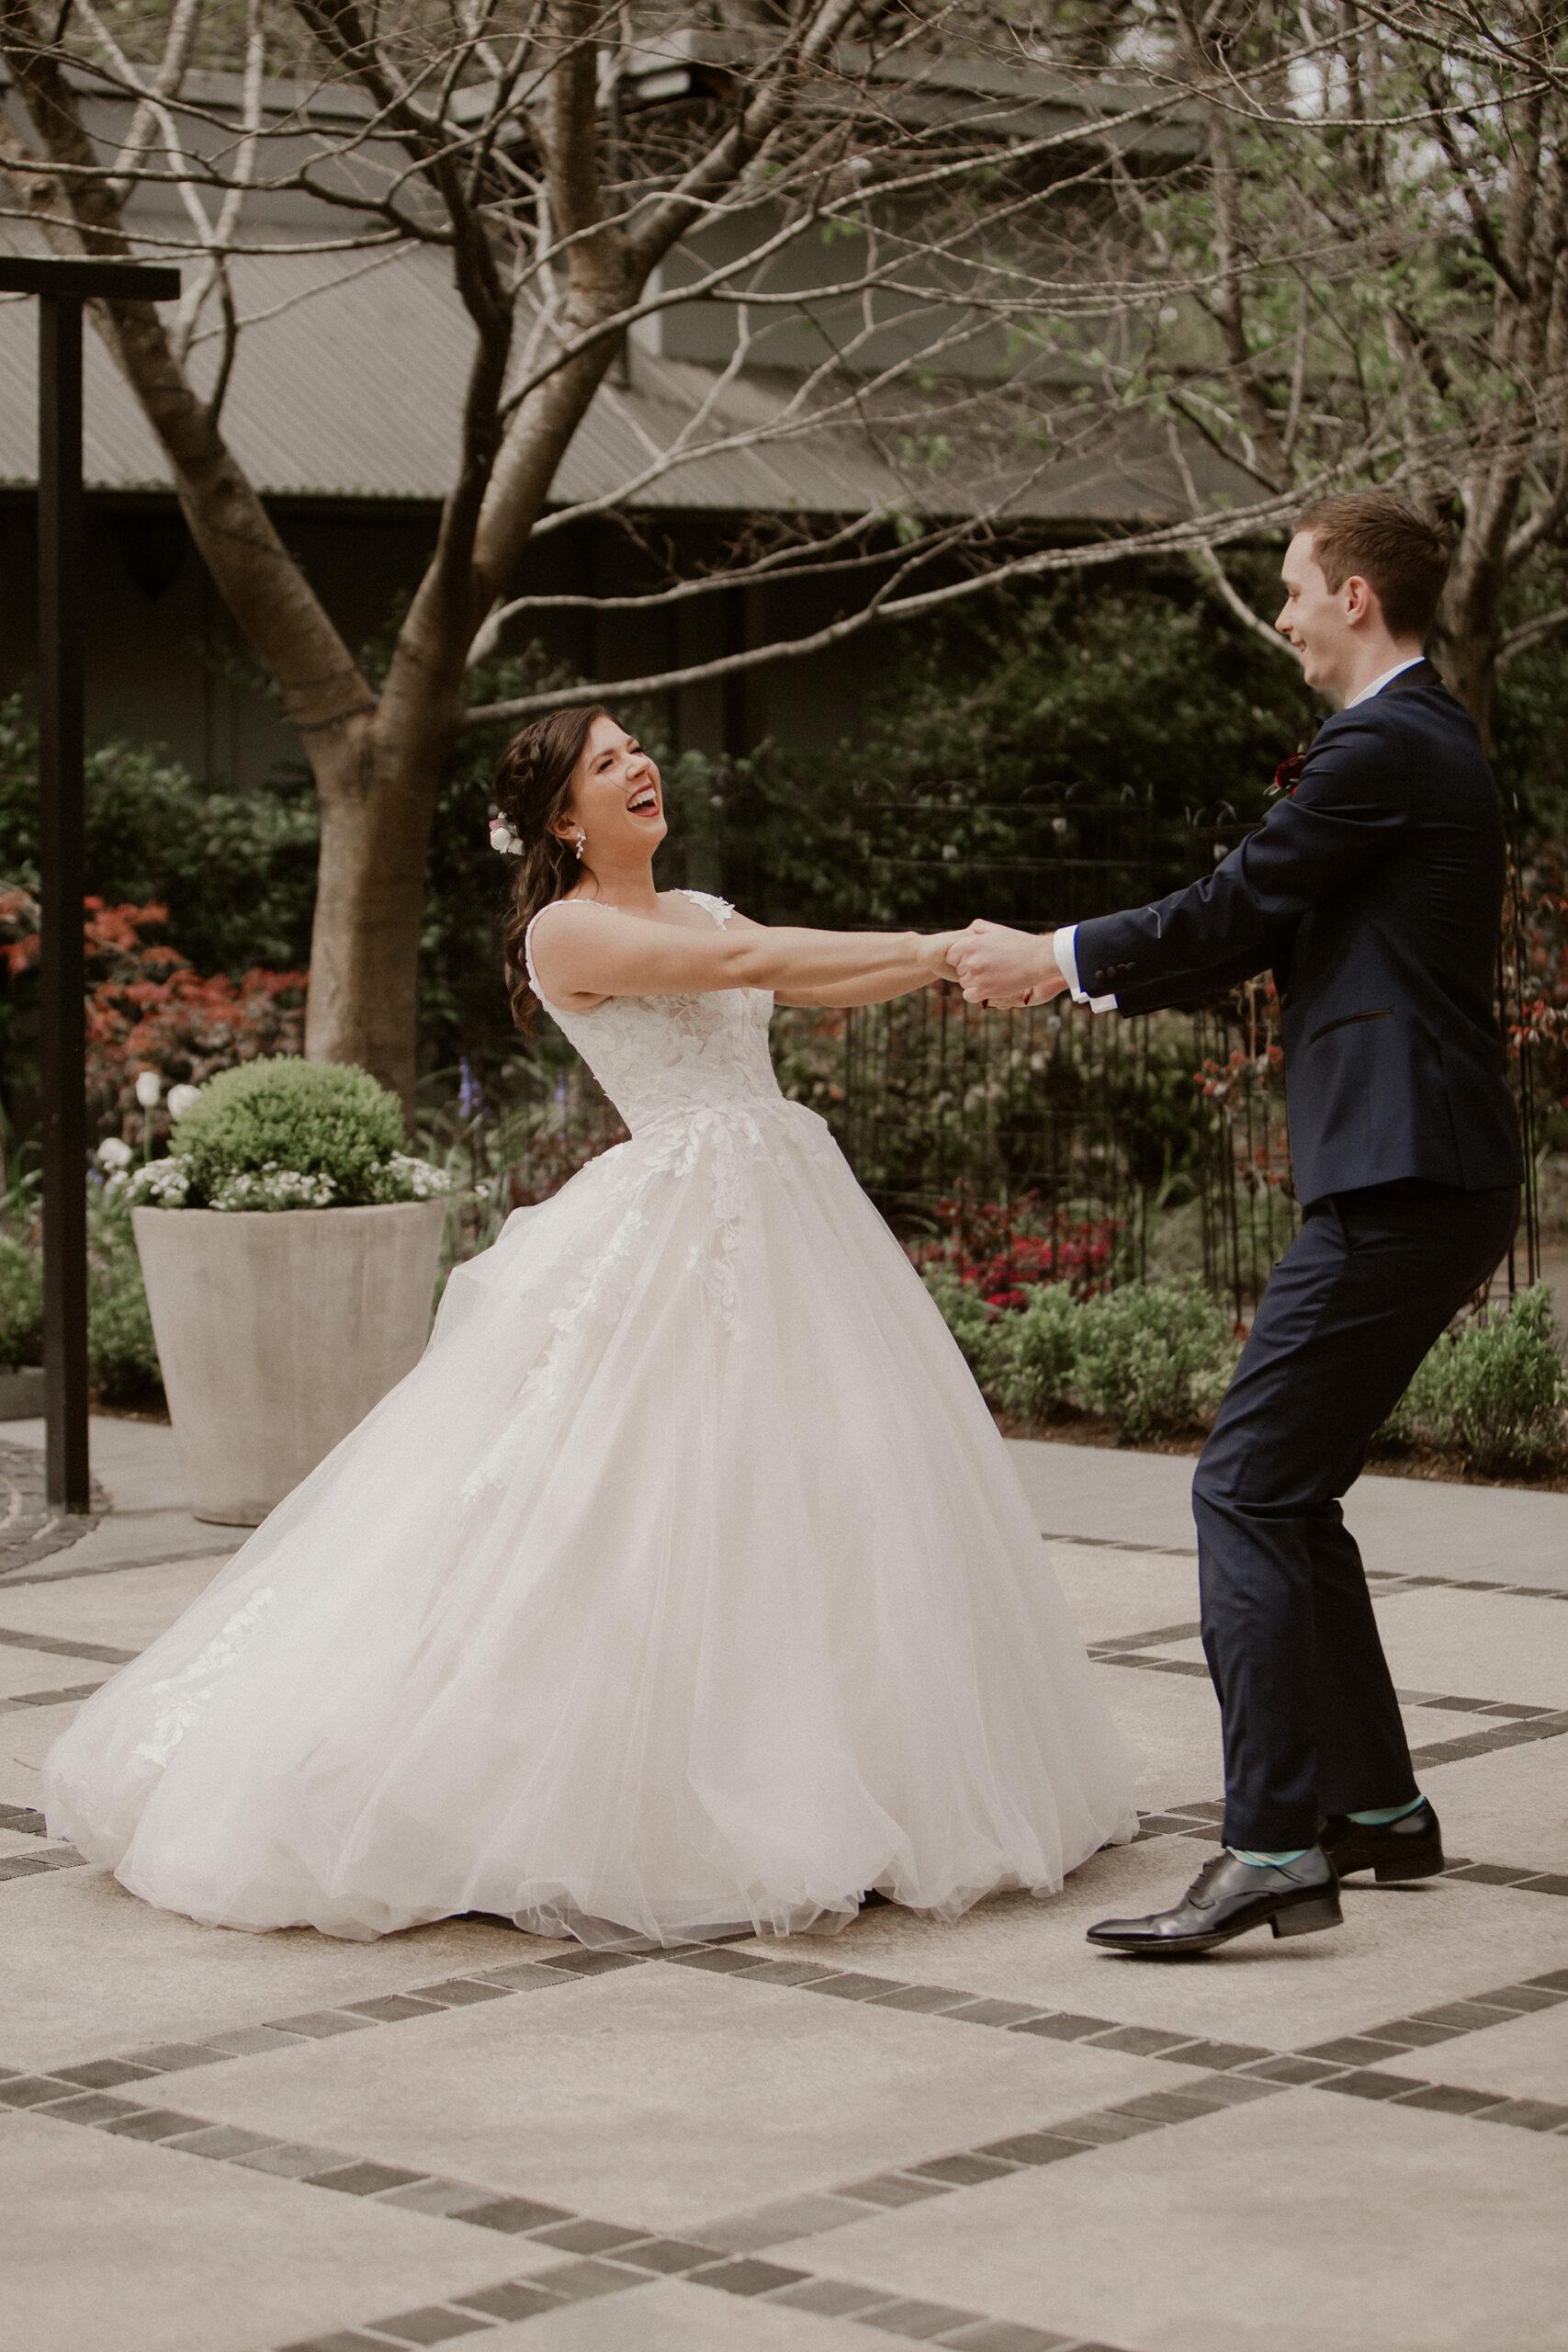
(502, 838)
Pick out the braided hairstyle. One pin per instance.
(532, 791)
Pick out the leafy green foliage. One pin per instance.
(1153, 1356)
(122, 1359)
(1495, 1387)
(314, 1119)
(1123, 713)
(968, 1318)
(1034, 1352)
(236, 870)
(22, 1302)
(122, 1355)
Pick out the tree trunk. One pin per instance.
(376, 784)
(1469, 622)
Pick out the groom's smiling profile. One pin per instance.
(1373, 892)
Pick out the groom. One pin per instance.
(1375, 891)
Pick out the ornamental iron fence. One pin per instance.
(1091, 1148)
(1058, 1122)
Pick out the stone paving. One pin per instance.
(983, 2135)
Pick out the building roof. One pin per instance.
(348, 385)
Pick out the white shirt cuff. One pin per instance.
(1065, 947)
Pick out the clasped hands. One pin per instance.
(999, 969)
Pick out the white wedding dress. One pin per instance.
(684, 1586)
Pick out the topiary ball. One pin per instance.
(318, 1120)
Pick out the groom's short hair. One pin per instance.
(1391, 545)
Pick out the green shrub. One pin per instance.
(21, 1303)
(122, 1356)
(969, 1319)
(1495, 1387)
(287, 1134)
(1153, 1356)
(122, 1359)
(1034, 1352)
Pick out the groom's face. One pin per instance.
(1315, 619)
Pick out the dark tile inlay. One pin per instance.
(1003, 2335)
(585, 2237)
(1031, 2148)
(512, 2215)
(580, 2282)
(920, 2320)
(1526, 2114)
(153, 2123)
(964, 2171)
(1368, 2083)
(1064, 2027)
(832, 2298)
(669, 2256)
(1448, 2098)
(890, 2189)
(747, 2277)
(516, 2299)
(363, 2178)
(435, 2324)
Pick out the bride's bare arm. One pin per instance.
(584, 953)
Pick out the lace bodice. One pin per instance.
(664, 1056)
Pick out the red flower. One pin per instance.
(1288, 775)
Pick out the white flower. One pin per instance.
(424, 1183)
(162, 1183)
(114, 1152)
(149, 1089)
(180, 1099)
(503, 840)
(272, 1187)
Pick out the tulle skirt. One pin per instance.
(684, 1587)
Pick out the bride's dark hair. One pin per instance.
(532, 791)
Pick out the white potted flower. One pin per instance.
(289, 1249)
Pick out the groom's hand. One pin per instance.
(999, 967)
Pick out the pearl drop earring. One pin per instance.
(580, 843)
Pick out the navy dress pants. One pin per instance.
(1312, 1726)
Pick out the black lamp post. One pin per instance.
(62, 288)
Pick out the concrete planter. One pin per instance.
(277, 1330)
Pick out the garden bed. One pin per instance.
(1439, 1464)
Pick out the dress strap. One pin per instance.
(529, 948)
(720, 908)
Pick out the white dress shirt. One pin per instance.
(1065, 943)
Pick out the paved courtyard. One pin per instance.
(982, 2135)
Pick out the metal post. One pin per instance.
(62, 1048)
(62, 287)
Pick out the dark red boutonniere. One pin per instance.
(1288, 775)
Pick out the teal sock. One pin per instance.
(1261, 1861)
(1380, 1816)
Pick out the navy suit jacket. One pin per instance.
(1375, 893)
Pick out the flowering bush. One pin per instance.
(287, 1135)
(1002, 1253)
(1151, 1356)
(151, 1013)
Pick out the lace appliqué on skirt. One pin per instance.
(179, 1702)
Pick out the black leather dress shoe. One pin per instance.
(1227, 1898)
(1411, 1846)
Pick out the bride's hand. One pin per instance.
(930, 954)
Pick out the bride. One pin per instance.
(685, 1586)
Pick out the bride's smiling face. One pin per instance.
(618, 801)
